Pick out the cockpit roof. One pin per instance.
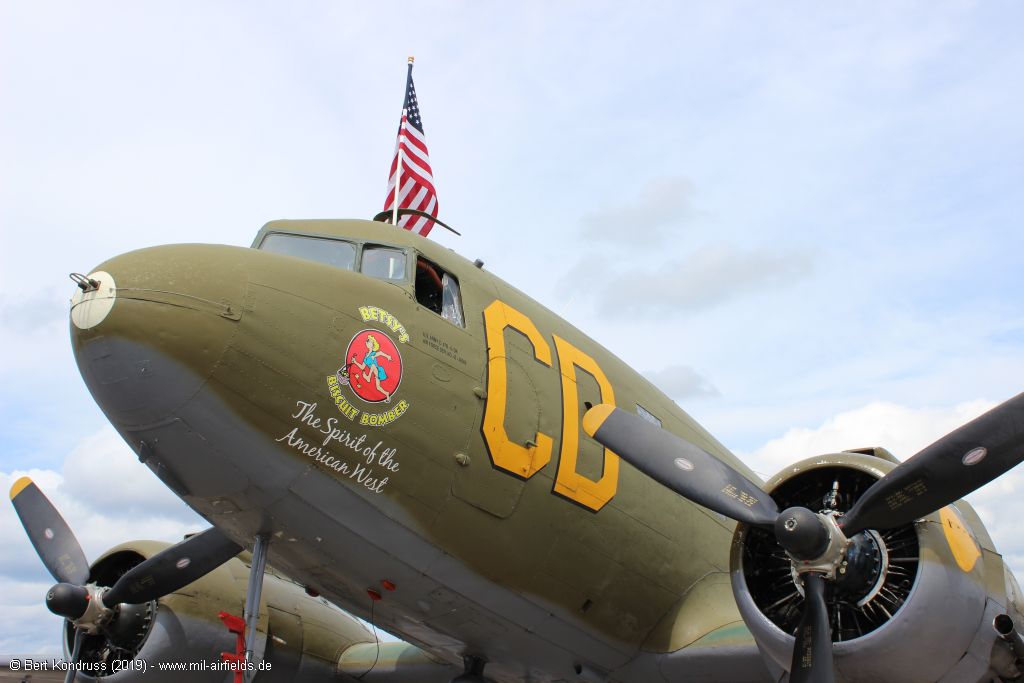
(354, 230)
(373, 232)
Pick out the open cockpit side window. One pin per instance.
(438, 290)
(647, 415)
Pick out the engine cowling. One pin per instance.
(923, 583)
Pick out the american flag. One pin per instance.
(417, 181)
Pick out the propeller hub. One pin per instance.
(802, 533)
(69, 597)
(68, 600)
(814, 542)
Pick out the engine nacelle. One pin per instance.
(922, 584)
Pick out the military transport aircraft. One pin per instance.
(391, 427)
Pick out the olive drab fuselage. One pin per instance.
(388, 411)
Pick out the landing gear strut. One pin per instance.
(474, 672)
(252, 599)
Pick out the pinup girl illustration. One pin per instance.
(370, 365)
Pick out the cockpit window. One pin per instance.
(647, 415)
(451, 300)
(337, 253)
(383, 263)
(438, 290)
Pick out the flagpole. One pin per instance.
(398, 170)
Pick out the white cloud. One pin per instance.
(662, 202)
(103, 473)
(707, 277)
(902, 430)
(26, 627)
(682, 381)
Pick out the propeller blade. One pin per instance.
(812, 651)
(944, 472)
(75, 652)
(173, 568)
(49, 533)
(680, 465)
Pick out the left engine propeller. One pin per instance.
(94, 609)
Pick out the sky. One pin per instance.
(802, 221)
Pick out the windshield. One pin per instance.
(337, 253)
(383, 263)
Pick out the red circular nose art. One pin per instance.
(374, 366)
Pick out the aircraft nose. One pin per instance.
(149, 327)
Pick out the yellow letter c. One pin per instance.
(512, 457)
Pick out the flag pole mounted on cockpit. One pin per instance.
(401, 145)
(398, 162)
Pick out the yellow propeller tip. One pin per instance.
(595, 417)
(19, 486)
